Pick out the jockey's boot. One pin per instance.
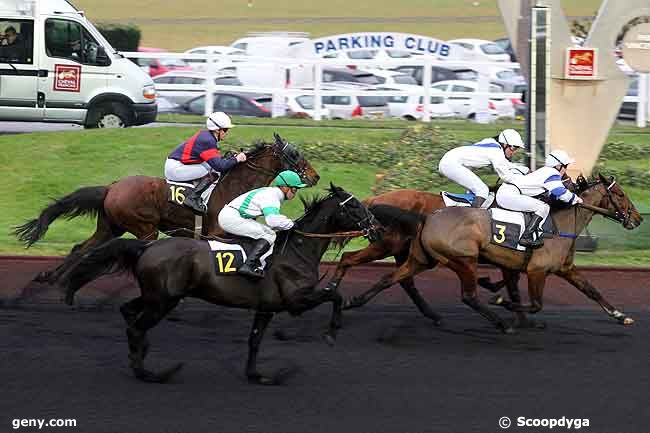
(532, 228)
(252, 267)
(478, 201)
(194, 200)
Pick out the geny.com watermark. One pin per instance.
(550, 423)
(40, 423)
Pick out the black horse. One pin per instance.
(171, 269)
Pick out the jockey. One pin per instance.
(519, 195)
(199, 156)
(238, 217)
(496, 151)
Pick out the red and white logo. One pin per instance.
(67, 78)
(580, 63)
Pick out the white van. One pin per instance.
(55, 66)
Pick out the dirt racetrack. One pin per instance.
(390, 371)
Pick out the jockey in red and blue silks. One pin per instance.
(199, 156)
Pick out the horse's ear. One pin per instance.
(602, 178)
(277, 138)
(333, 188)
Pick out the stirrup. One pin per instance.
(252, 273)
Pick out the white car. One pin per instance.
(303, 106)
(481, 50)
(411, 107)
(467, 105)
(366, 106)
(179, 87)
(389, 78)
(200, 65)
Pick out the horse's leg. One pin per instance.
(260, 323)
(465, 268)
(306, 299)
(579, 282)
(152, 313)
(131, 309)
(408, 284)
(374, 251)
(103, 233)
(409, 269)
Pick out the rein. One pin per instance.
(601, 211)
(350, 234)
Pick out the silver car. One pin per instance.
(182, 86)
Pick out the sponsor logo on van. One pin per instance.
(67, 78)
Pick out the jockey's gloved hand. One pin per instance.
(576, 200)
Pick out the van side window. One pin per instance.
(69, 40)
(17, 41)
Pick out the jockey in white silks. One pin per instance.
(496, 151)
(519, 194)
(238, 217)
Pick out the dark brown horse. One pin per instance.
(171, 269)
(458, 237)
(139, 205)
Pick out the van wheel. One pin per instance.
(409, 117)
(109, 115)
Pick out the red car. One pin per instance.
(156, 66)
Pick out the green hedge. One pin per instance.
(123, 37)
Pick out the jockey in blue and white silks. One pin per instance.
(519, 194)
(496, 151)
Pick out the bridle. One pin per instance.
(619, 215)
(366, 224)
(287, 153)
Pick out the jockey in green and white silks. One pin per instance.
(238, 217)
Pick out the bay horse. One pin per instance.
(139, 205)
(171, 269)
(395, 241)
(457, 237)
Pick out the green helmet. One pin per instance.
(288, 178)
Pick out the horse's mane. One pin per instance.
(400, 219)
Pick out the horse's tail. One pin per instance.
(117, 255)
(84, 201)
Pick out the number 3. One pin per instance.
(230, 257)
(502, 234)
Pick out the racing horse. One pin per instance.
(171, 269)
(457, 237)
(139, 204)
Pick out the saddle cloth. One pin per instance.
(177, 191)
(508, 226)
(230, 255)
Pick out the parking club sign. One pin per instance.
(67, 78)
(580, 63)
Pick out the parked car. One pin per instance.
(155, 66)
(181, 86)
(348, 75)
(506, 45)
(349, 106)
(508, 79)
(438, 73)
(200, 65)
(481, 50)
(386, 77)
(232, 103)
(467, 106)
(628, 108)
(411, 107)
(303, 106)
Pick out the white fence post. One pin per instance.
(483, 111)
(426, 82)
(643, 104)
(209, 88)
(318, 98)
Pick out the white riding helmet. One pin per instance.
(558, 157)
(510, 137)
(218, 120)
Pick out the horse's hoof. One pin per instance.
(42, 277)
(329, 339)
(496, 300)
(626, 321)
(508, 330)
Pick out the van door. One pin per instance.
(19, 71)
(77, 67)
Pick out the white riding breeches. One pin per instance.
(509, 197)
(232, 222)
(463, 176)
(177, 171)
